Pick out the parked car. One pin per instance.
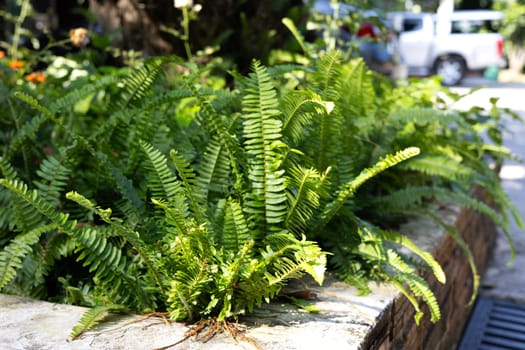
(449, 44)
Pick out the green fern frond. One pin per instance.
(305, 189)
(278, 71)
(358, 96)
(109, 130)
(29, 279)
(78, 94)
(111, 268)
(419, 287)
(135, 205)
(175, 217)
(43, 208)
(6, 220)
(451, 230)
(284, 257)
(289, 257)
(20, 213)
(425, 116)
(262, 134)
(380, 166)
(326, 81)
(194, 194)
(253, 290)
(396, 237)
(186, 287)
(93, 317)
(164, 184)
(402, 276)
(145, 127)
(214, 169)
(27, 132)
(504, 203)
(54, 177)
(232, 275)
(169, 97)
(326, 78)
(138, 83)
(123, 230)
(467, 201)
(235, 233)
(347, 190)
(195, 268)
(33, 102)
(399, 284)
(57, 246)
(402, 199)
(11, 257)
(7, 169)
(222, 154)
(442, 166)
(103, 258)
(105, 214)
(6, 202)
(299, 109)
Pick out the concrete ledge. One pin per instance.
(343, 321)
(381, 320)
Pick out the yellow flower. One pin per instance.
(2, 54)
(79, 37)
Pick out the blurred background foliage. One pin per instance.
(235, 30)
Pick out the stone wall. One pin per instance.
(396, 328)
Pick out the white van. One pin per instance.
(449, 44)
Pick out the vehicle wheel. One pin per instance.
(451, 69)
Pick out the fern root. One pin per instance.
(205, 330)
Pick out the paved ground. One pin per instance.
(503, 281)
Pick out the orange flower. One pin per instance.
(16, 64)
(2, 54)
(35, 77)
(79, 37)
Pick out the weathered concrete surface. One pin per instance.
(342, 323)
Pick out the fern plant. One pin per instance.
(196, 255)
(372, 118)
(208, 211)
(454, 157)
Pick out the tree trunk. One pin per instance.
(133, 25)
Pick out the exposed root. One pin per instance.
(163, 315)
(205, 330)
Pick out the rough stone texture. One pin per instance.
(381, 320)
(397, 329)
(343, 321)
